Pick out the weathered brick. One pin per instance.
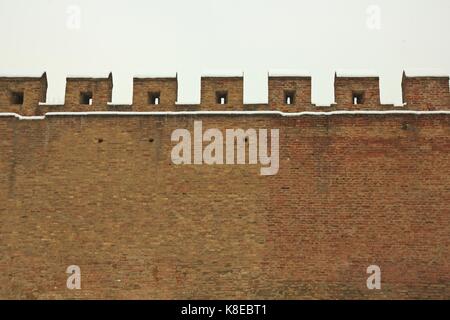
(101, 192)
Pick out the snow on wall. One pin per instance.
(231, 113)
(357, 73)
(425, 73)
(288, 73)
(222, 73)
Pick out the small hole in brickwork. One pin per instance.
(358, 98)
(221, 97)
(100, 140)
(17, 98)
(86, 98)
(405, 126)
(154, 98)
(289, 97)
(151, 140)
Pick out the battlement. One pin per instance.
(22, 95)
(88, 93)
(357, 92)
(422, 92)
(290, 92)
(155, 92)
(221, 92)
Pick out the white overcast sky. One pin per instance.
(139, 37)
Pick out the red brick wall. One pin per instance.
(101, 192)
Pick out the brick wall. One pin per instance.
(101, 192)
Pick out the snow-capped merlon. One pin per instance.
(223, 74)
(286, 73)
(357, 73)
